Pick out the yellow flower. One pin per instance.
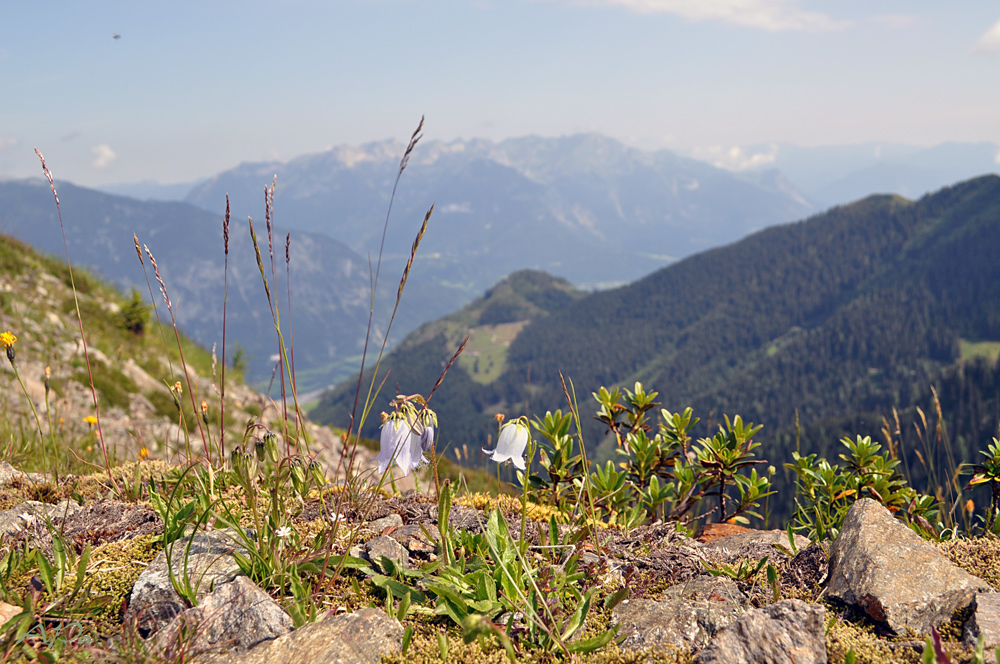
(143, 454)
(8, 339)
(90, 419)
(970, 506)
(178, 388)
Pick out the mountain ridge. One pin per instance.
(848, 313)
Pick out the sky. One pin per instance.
(188, 89)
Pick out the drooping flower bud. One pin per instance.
(271, 446)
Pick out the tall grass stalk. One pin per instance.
(282, 347)
(79, 318)
(180, 351)
(152, 300)
(374, 279)
(225, 302)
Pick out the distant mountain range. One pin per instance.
(840, 317)
(584, 207)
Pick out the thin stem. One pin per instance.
(79, 318)
(38, 423)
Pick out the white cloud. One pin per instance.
(736, 158)
(990, 41)
(7, 142)
(771, 15)
(104, 156)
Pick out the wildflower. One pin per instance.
(406, 434)
(90, 419)
(511, 443)
(283, 532)
(204, 411)
(393, 445)
(27, 517)
(970, 506)
(428, 420)
(143, 453)
(48, 380)
(178, 388)
(8, 339)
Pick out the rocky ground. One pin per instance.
(877, 590)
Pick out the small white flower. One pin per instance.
(283, 532)
(510, 444)
(334, 517)
(28, 517)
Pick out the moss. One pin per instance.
(844, 636)
(979, 556)
(510, 504)
(115, 567)
(424, 649)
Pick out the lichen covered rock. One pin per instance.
(893, 575)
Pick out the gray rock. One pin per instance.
(898, 579)
(752, 545)
(383, 545)
(34, 515)
(209, 563)
(985, 620)
(391, 521)
(789, 632)
(361, 637)
(413, 538)
(688, 616)
(237, 615)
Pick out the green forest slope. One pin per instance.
(838, 318)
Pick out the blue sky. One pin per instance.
(192, 88)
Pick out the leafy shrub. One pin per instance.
(825, 491)
(664, 475)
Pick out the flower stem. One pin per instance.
(38, 423)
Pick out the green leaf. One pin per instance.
(404, 607)
(596, 643)
(407, 637)
(45, 572)
(611, 601)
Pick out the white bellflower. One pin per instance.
(510, 444)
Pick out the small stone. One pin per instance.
(380, 546)
(687, 617)
(789, 632)
(237, 614)
(362, 637)
(209, 563)
(413, 538)
(391, 521)
(985, 620)
(886, 569)
(8, 611)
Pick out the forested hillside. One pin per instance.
(838, 318)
